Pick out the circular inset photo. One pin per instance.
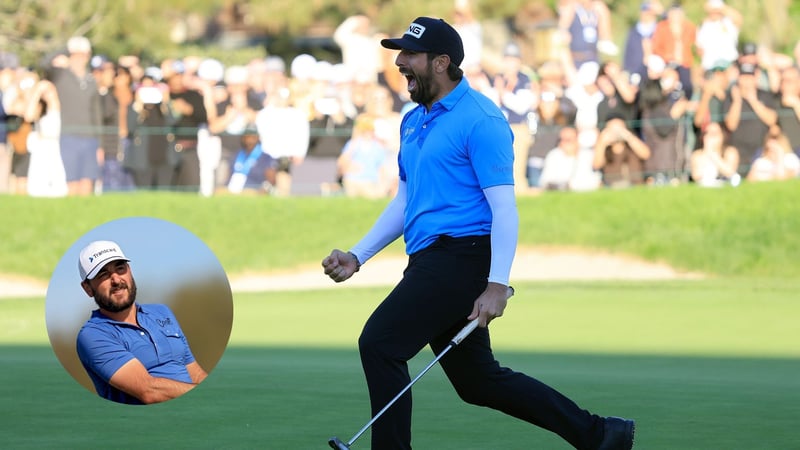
(139, 310)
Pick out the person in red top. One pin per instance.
(673, 40)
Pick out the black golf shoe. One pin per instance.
(617, 434)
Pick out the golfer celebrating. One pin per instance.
(456, 210)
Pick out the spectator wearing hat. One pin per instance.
(517, 99)
(713, 92)
(188, 116)
(638, 43)
(251, 169)
(81, 118)
(750, 113)
(661, 105)
(114, 97)
(674, 41)
(718, 34)
(235, 113)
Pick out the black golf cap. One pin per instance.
(429, 35)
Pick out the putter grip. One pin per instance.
(470, 327)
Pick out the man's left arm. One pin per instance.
(196, 372)
(505, 225)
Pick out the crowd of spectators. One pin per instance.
(678, 102)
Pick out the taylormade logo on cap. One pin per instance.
(96, 255)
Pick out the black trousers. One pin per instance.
(428, 307)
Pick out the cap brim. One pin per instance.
(99, 266)
(403, 44)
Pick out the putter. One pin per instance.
(337, 443)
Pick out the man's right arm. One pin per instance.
(133, 379)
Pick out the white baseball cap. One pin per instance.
(96, 255)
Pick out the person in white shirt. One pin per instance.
(568, 166)
(284, 132)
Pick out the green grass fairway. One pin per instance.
(700, 365)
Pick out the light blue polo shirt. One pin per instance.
(448, 155)
(105, 345)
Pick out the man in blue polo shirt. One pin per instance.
(455, 208)
(134, 353)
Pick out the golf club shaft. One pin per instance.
(468, 328)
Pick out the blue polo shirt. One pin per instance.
(105, 345)
(448, 155)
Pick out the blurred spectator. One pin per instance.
(619, 154)
(188, 115)
(332, 125)
(6, 79)
(516, 99)
(674, 41)
(362, 161)
(619, 95)
(151, 155)
(235, 113)
(209, 82)
(788, 107)
(553, 113)
(81, 117)
(114, 176)
(585, 26)
(283, 131)
(713, 93)
(16, 97)
(568, 167)
(586, 95)
(638, 43)
(777, 160)
(46, 176)
(274, 80)
(387, 130)
(768, 76)
(661, 104)
(252, 170)
(750, 112)
(361, 53)
(718, 34)
(466, 23)
(716, 162)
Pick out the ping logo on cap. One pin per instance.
(416, 30)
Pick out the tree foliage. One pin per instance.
(154, 29)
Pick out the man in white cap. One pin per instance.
(134, 353)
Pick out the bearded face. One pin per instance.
(120, 297)
(420, 83)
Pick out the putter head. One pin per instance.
(337, 444)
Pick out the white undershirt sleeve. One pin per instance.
(505, 225)
(386, 229)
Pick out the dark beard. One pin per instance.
(106, 304)
(424, 94)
